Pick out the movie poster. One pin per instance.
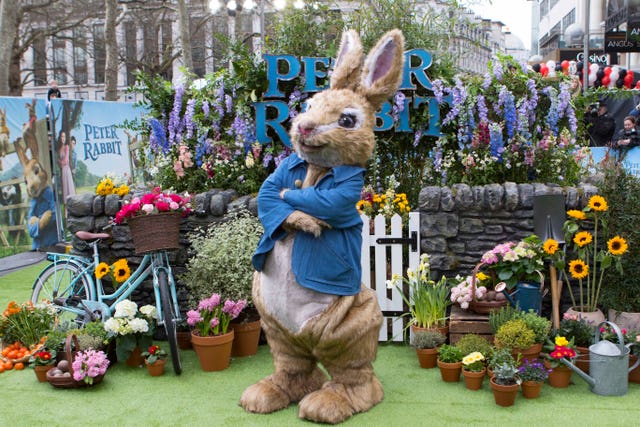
(28, 217)
(629, 157)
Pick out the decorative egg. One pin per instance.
(500, 296)
(63, 365)
(490, 296)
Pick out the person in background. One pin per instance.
(54, 92)
(627, 137)
(600, 126)
(73, 156)
(66, 178)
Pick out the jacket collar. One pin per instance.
(340, 173)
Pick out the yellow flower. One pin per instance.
(123, 190)
(481, 276)
(617, 245)
(575, 214)
(550, 246)
(101, 270)
(121, 271)
(598, 203)
(105, 187)
(582, 238)
(561, 341)
(578, 269)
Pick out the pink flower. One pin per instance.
(147, 209)
(148, 199)
(193, 317)
(177, 167)
(214, 322)
(162, 206)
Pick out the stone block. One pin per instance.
(444, 224)
(112, 204)
(80, 204)
(429, 198)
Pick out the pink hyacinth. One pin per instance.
(193, 317)
(214, 322)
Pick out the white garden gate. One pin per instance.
(382, 256)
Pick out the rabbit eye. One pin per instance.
(36, 170)
(347, 121)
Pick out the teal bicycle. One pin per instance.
(69, 283)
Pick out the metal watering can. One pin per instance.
(608, 365)
(527, 295)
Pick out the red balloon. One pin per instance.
(606, 80)
(565, 65)
(638, 84)
(544, 70)
(628, 77)
(607, 71)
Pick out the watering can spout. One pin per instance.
(502, 287)
(578, 371)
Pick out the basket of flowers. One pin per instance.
(472, 293)
(80, 369)
(154, 219)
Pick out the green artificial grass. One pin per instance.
(413, 396)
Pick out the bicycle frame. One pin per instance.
(105, 303)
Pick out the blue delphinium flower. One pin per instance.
(506, 100)
(483, 111)
(496, 144)
(203, 148)
(553, 116)
(158, 138)
(189, 124)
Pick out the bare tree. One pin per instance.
(111, 47)
(185, 37)
(8, 32)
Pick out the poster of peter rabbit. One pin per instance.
(27, 204)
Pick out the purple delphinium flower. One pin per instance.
(565, 109)
(483, 111)
(486, 82)
(158, 138)
(205, 108)
(398, 105)
(497, 69)
(459, 94)
(175, 123)
(189, 124)
(438, 90)
(228, 103)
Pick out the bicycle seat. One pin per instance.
(85, 235)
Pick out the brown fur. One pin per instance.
(37, 180)
(29, 130)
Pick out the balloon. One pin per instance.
(622, 73)
(638, 84)
(592, 79)
(606, 80)
(536, 68)
(619, 83)
(607, 71)
(594, 68)
(628, 80)
(579, 66)
(544, 70)
(600, 74)
(565, 64)
(558, 68)
(597, 84)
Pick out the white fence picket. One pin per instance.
(389, 300)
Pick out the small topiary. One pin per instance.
(538, 324)
(473, 342)
(427, 339)
(515, 334)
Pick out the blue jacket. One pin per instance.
(330, 263)
(48, 236)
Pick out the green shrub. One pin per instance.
(515, 334)
(473, 342)
(427, 339)
(498, 318)
(449, 354)
(538, 324)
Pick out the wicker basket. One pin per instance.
(483, 307)
(69, 382)
(155, 232)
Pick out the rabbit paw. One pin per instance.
(44, 220)
(302, 221)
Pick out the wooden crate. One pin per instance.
(462, 322)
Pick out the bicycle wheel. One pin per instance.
(64, 287)
(169, 319)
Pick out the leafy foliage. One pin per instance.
(449, 354)
(427, 339)
(470, 343)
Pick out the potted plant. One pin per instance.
(473, 370)
(155, 358)
(505, 382)
(515, 262)
(227, 247)
(89, 366)
(541, 326)
(426, 343)
(533, 374)
(558, 350)
(133, 330)
(428, 300)
(450, 362)
(210, 337)
(591, 257)
(42, 361)
(582, 333)
(470, 343)
(517, 336)
(499, 356)
(26, 323)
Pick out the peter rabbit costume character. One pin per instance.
(307, 286)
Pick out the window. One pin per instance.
(39, 62)
(59, 60)
(80, 75)
(99, 53)
(198, 52)
(568, 19)
(544, 8)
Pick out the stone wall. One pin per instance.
(457, 224)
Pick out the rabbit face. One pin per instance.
(35, 177)
(336, 129)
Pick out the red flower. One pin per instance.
(162, 206)
(176, 198)
(147, 198)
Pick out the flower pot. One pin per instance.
(634, 375)
(560, 377)
(530, 353)
(450, 372)
(246, 338)
(135, 359)
(531, 389)
(444, 330)
(184, 340)
(41, 372)
(427, 357)
(155, 232)
(625, 319)
(157, 368)
(504, 395)
(594, 318)
(582, 361)
(473, 380)
(214, 352)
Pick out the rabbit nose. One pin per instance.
(305, 129)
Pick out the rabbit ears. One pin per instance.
(382, 71)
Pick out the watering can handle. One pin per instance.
(617, 331)
(542, 290)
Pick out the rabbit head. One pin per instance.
(35, 175)
(337, 127)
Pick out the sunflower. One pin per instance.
(598, 203)
(582, 238)
(101, 270)
(121, 271)
(617, 245)
(578, 269)
(576, 214)
(550, 246)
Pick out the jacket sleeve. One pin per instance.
(335, 205)
(272, 210)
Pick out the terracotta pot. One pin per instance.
(41, 372)
(184, 340)
(246, 338)
(625, 319)
(531, 389)
(444, 330)
(450, 372)
(634, 375)
(504, 395)
(582, 361)
(157, 368)
(560, 377)
(594, 318)
(473, 380)
(214, 353)
(529, 353)
(427, 357)
(135, 359)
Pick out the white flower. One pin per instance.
(126, 309)
(112, 326)
(149, 311)
(138, 325)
